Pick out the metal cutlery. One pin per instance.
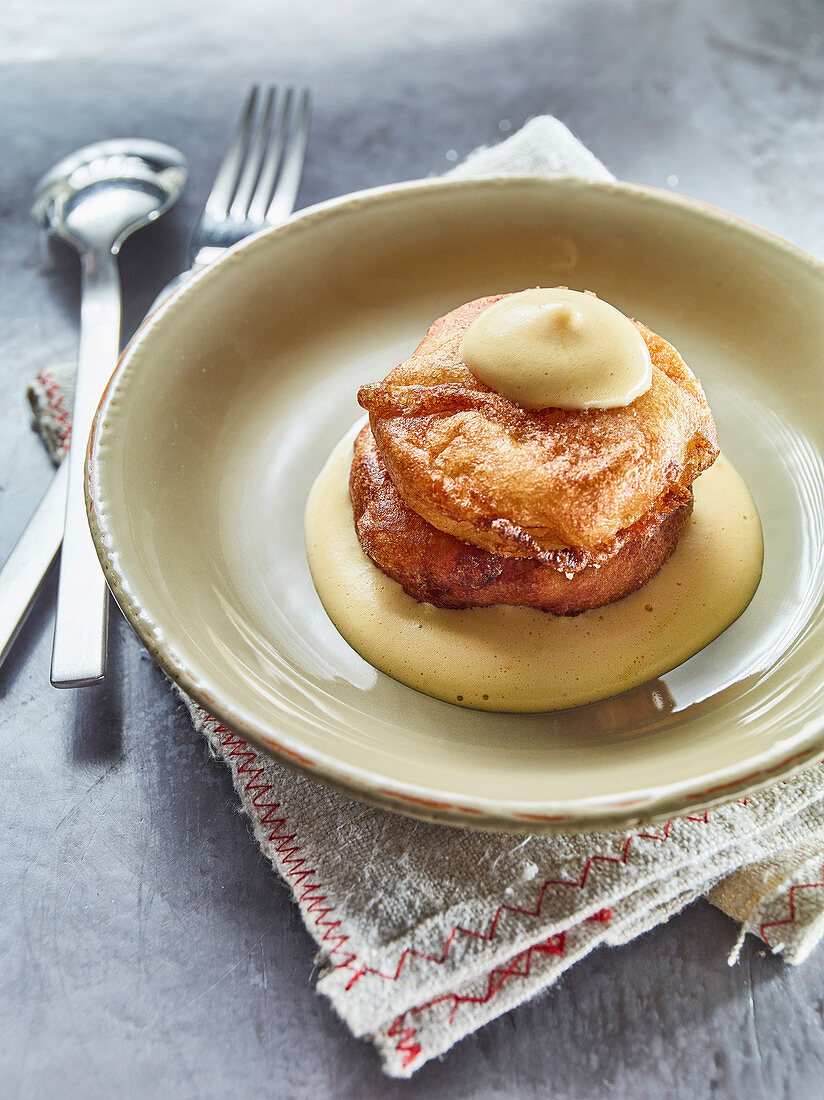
(29, 561)
(257, 182)
(255, 187)
(93, 200)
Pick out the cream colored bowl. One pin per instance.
(230, 398)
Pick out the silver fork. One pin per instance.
(255, 187)
(258, 179)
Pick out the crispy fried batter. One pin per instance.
(440, 569)
(567, 487)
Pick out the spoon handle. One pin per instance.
(80, 629)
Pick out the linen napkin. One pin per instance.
(426, 932)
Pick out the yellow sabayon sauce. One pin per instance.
(520, 659)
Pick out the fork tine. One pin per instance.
(255, 151)
(268, 173)
(217, 205)
(283, 201)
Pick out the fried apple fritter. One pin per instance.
(440, 569)
(530, 483)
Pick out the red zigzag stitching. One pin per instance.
(407, 1043)
(57, 406)
(241, 749)
(406, 1036)
(791, 918)
(284, 841)
(552, 945)
(535, 912)
(293, 867)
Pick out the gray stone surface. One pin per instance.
(147, 947)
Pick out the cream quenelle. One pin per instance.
(559, 349)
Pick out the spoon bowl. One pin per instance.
(99, 195)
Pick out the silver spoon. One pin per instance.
(94, 199)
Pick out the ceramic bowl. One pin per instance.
(229, 399)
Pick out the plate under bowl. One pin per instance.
(229, 399)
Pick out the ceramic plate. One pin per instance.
(230, 398)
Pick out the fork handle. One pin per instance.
(80, 629)
(23, 571)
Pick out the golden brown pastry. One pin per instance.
(568, 488)
(440, 569)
